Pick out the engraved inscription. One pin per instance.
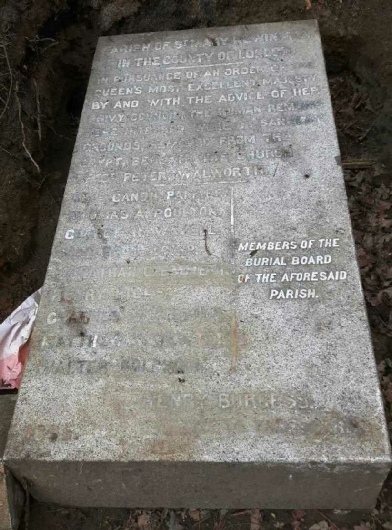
(193, 216)
(315, 258)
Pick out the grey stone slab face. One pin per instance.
(202, 338)
(11, 493)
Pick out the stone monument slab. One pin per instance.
(202, 339)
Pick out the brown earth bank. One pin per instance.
(46, 49)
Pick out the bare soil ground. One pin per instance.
(46, 49)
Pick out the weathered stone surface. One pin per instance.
(11, 494)
(202, 339)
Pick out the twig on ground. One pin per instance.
(357, 164)
(37, 41)
(58, 134)
(38, 103)
(242, 512)
(11, 80)
(54, 200)
(22, 128)
(331, 523)
(349, 125)
(384, 323)
(8, 152)
(41, 183)
(365, 133)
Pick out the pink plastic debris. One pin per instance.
(15, 333)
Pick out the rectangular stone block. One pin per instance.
(202, 338)
(11, 493)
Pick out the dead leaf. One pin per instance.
(143, 520)
(298, 517)
(362, 526)
(195, 515)
(322, 525)
(256, 519)
(308, 4)
(173, 523)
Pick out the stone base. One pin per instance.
(205, 484)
